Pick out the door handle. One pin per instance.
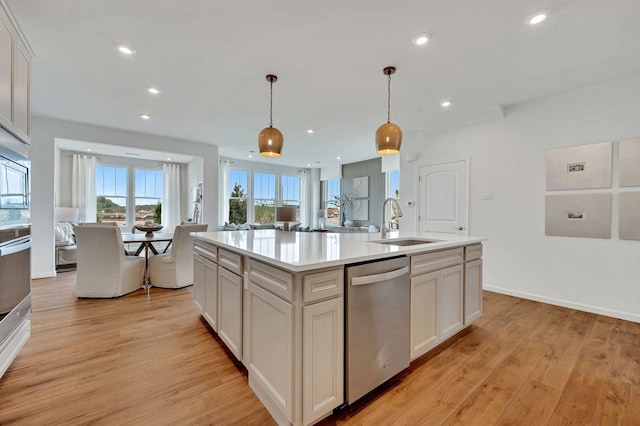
(373, 279)
(460, 228)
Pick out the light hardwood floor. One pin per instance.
(147, 359)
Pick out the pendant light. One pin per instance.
(389, 135)
(270, 139)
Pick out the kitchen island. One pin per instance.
(277, 300)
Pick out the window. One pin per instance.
(290, 192)
(238, 187)
(393, 190)
(148, 196)
(253, 196)
(128, 202)
(111, 194)
(264, 197)
(331, 192)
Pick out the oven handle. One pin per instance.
(15, 248)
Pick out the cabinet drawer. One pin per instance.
(472, 252)
(206, 250)
(230, 261)
(321, 285)
(272, 279)
(428, 262)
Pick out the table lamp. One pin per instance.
(286, 214)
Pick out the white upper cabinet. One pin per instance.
(15, 81)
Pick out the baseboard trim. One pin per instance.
(43, 275)
(564, 303)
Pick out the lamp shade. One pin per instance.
(270, 142)
(286, 213)
(66, 214)
(388, 139)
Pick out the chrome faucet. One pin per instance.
(383, 226)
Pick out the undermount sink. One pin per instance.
(405, 241)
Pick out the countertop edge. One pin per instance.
(446, 242)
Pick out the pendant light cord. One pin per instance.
(389, 99)
(271, 103)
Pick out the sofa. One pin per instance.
(255, 226)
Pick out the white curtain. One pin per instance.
(170, 197)
(223, 205)
(305, 200)
(83, 187)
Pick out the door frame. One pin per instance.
(420, 197)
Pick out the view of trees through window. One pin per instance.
(112, 196)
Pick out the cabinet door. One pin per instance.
(230, 311)
(271, 351)
(6, 65)
(451, 302)
(424, 313)
(199, 282)
(211, 294)
(323, 358)
(21, 93)
(472, 291)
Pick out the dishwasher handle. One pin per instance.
(376, 278)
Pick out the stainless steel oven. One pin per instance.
(15, 278)
(15, 239)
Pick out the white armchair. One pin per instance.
(103, 269)
(175, 269)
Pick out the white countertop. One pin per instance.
(303, 251)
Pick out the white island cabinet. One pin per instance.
(280, 306)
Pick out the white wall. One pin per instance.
(507, 160)
(43, 184)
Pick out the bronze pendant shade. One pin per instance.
(270, 139)
(389, 135)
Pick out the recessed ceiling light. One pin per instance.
(310, 131)
(153, 90)
(126, 50)
(88, 149)
(249, 155)
(445, 104)
(145, 116)
(308, 164)
(338, 158)
(537, 17)
(421, 39)
(168, 158)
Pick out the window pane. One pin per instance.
(238, 185)
(264, 186)
(238, 179)
(149, 187)
(265, 211)
(111, 209)
(333, 212)
(333, 188)
(237, 211)
(290, 187)
(111, 194)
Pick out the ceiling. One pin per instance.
(209, 60)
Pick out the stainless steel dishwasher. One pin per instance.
(377, 338)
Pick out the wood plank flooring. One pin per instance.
(148, 359)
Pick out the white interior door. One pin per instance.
(443, 198)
